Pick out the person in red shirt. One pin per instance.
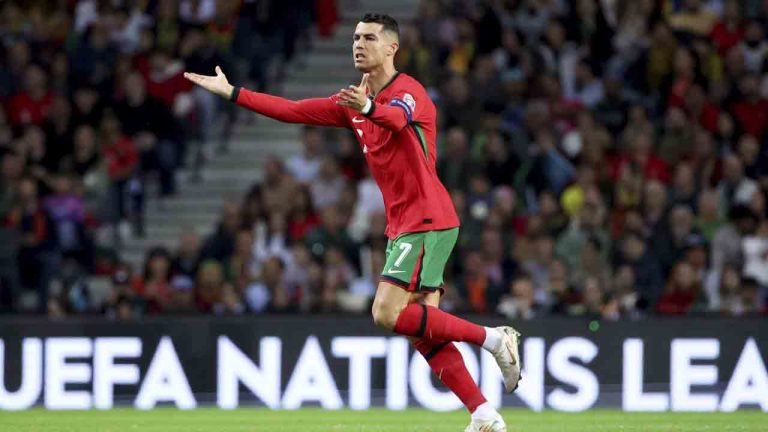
(122, 158)
(164, 81)
(155, 286)
(751, 111)
(681, 292)
(33, 104)
(728, 32)
(640, 157)
(395, 123)
(700, 109)
(302, 218)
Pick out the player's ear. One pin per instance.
(393, 47)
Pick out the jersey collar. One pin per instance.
(397, 73)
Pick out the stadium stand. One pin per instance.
(607, 159)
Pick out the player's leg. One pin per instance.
(415, 262)
(392, 309)
(408, 257)
(446, 361)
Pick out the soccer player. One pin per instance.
(394, 121)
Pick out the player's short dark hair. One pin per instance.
(389, 23)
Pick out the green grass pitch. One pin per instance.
(378, 420)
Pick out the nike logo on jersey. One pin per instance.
(357, 120)
(390, 271)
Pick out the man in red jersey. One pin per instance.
(395, 123)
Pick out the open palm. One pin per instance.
(217, 84)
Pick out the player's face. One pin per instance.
(372, 47)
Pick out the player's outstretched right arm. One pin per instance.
(217, 84)
(319, 111)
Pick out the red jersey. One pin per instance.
(24, 110)
(122, 157)
(398, 138)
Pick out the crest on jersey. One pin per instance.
(408, 99)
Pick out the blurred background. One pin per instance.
(608, 158)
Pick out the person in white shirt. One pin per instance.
(305, 167)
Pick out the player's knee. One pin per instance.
(384, 315)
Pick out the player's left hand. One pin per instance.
(355, 96)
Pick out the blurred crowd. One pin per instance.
(608, 159)
(96, 118)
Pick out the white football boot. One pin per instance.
(508, 357)
(496, 424)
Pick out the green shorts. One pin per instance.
(416, 261)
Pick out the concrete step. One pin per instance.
(337, 77)
(183, 218)
(252, 147)
(164, 233)
(237, 169)
(144, 244)
(258, 133)
(211, 187)
(338, 41)
(321, 60)
(260, 147)
(251, 162)
(336, 47)
(184, 203)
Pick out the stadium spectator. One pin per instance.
(66, 209)
(330, 232)
(181, 298)
(37, 255)
(122, 302)
(302, 218)
(271, 239)
(155, 285)
(475, 286)
(645, 266)
(31, 105)
(339, 276)
(127, 190)
(593, 150)
(152, 127)
(277, 185)
(593, 302)
(519, 303)
(560, 297)
(231, 302)
(220, 245)
(241, 268)
(593, 264)
(271, 293)
(683, 291)
(89, 171)
(187, 258)
(209, 286)
(670, 241)
(305, 167)
(328, 186)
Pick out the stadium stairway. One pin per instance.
(321, 71)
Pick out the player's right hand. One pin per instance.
(217, 84)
